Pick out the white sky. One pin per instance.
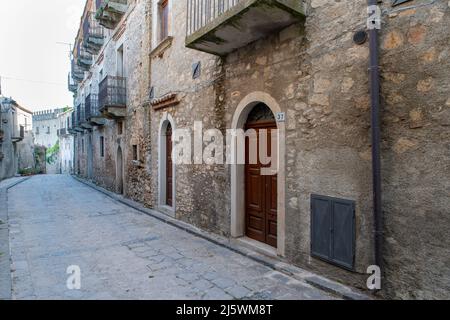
(29, 32)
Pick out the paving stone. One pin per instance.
(238, 292)
(125, 255)
(216, 294)
(224, 283)
(202, 284)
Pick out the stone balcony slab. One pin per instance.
(222, 31)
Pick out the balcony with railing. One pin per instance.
(18, 135)
(93, 115)
(110, 12)
(112, 97)
(78, 116)
(76, 73)
(223, 26)
(71, 85)
(62, 132)
(72, 122)
(93, 36)
(84, 58)
(84, 123)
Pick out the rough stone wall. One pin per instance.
(415, 64)
(137, 128)
(319, 78)
(199, 189)
(25, 152)
(7, 148)
(104, 168)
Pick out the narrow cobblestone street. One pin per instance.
(56, 222)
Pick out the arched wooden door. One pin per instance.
(261, 194)
(90, 157)
(169, 167)
(119, 170)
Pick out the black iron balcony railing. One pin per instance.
(112, 92)
(80, 115)
(93, 35)
(77, 73)
(71, 123)
(91, 106)
(202, 12)
(84, 59)
(71, 85)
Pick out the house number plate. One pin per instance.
(281, 117)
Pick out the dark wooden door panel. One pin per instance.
(169, 167)
(254, 188)
(261, 194)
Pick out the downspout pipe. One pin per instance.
(374, 70)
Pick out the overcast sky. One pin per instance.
(33, 66)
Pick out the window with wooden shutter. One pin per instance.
(333, 230)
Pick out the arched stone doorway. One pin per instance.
(90, 159)
(119, 171)
(166, 166)
(271, 200)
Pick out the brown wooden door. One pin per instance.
(260, 193)
(169, 167)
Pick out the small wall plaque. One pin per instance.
(281, 117)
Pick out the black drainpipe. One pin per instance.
(376, 162)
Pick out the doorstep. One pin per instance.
(243, 246)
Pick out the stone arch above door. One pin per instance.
(237, 171)
(162, 153)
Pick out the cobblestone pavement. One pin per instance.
(56, 222)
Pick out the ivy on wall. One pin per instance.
(52, 153)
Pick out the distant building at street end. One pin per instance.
(66, 140)
(45, 129)
(16, 139)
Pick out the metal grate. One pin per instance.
(112, 92)
(202, 12)
(93, 33)
(91, 106)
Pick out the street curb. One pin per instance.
(277, 264)
(5, 257)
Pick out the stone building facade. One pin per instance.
(16, 138)
(295, 65)
(66, 142)
(46, 129)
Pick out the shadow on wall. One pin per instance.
(40, 162)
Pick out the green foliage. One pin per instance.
(52, 153)
(28, 171)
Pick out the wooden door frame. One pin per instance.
(238, 170)
(162, 153)
(265, 125)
